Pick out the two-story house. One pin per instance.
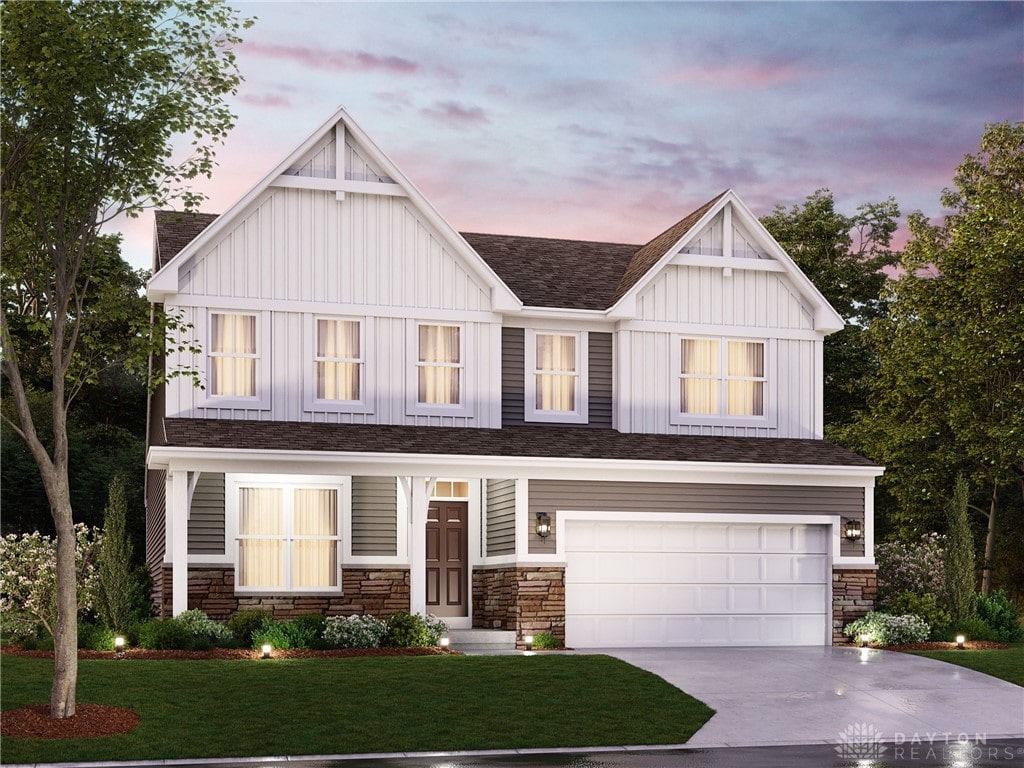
(621, 444)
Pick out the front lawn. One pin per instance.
(1006, 664)
(191, 709)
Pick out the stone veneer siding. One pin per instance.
(853, 595)
(378, 592)
(526, 600)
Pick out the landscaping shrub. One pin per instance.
(284, 634)
(413, 630)
(120, 596)
(165, 635)
(206, 631)
(354, 631)
(959, 597)
(314, 621)
(922, 606)
(95, 637)
(917, 567)
(245, 622)
(883, 629)
(544, 640)
(1000, 614)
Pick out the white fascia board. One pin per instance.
(502, 297)
(554, 318)
(826, 319)
(506, 467)
(617, 310)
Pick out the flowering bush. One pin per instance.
(28, 579)
(354, 631)
(922, 606)
(918, 567)
(203, 628)
(883, 629)
(413, 630)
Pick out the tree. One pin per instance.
(949, 395)
(93, 98)
(959, 570)
(115, 600)
(844, 257)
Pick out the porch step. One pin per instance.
(492, 640)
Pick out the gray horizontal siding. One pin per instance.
(513, 377)
(374, 516)
(552, 495)
(501, 517)
(206, 519)
(599, 391)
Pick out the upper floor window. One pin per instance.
(721, 377)
(556, 381)
(233, 355)
(338, 360)
(439, 365)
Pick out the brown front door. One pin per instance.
(447, 558)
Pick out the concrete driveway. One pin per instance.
(767, 696)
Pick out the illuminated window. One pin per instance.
(439, 365)
(233, 357)
(339, 360)
(719, 377)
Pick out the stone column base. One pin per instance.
(853, 595)
(526, 600)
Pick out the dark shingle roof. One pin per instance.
(545, 272)
(534, 442)
(176, 230)
(649, 254)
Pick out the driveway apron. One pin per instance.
(769, 696)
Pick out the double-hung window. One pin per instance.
(720, 378)
(288, 538)
(233, 355)
(556, 376)
(339, 360)
(439, 365)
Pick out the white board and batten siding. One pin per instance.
(702, 301)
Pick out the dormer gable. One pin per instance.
(336, 160)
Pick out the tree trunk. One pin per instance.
(65, 638)
(990, 545)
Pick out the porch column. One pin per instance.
(177, 540)
(418, 545)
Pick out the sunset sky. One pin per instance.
(610, 121)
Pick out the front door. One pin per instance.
(447, 558)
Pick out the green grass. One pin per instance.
(333, 706)
(1005, 664)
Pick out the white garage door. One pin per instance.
(683, 583)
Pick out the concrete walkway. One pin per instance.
(767, 696)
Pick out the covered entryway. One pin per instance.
(447, 558)
(675, 583)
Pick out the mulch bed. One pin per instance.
(236, 653)
(89, 720)
(970, 645)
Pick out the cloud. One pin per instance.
(266, 100)
(455, 114)
(334, 60)
(737, 75)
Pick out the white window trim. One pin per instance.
(581, 414)
(677, 417)
(261, 400)
(310, 401)
(232, 484)
(413, 406)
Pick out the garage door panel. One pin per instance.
(670, 584)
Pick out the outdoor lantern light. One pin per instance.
(119, 643)
(267, 648)
(864, 640)
(444, 643)
(852, 529)
(960, 642)
(543, 525)
(528, 639)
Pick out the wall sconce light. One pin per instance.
(445, 642)
(267, 648)
(543, 525)
(528, 639)
(960, 639)
(853, 529)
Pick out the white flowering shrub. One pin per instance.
(204, 628)
(28, 579)
(354, 631)
(883, 629)
(918, 567)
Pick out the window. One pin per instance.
(721, 377)
(233, 356)
(556, 376)
(439, 365)
(288, 538)
(338, 360)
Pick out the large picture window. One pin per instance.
(233, 355)
(721, 377)
(288, 538)
(338, 360)
(439, 365)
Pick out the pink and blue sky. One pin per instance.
(610, 121)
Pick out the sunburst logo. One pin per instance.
(860, 741)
